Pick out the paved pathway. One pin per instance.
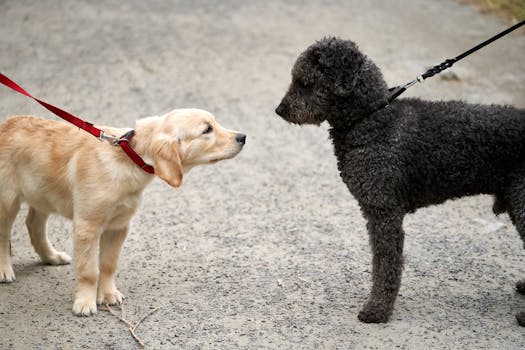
(269, 250)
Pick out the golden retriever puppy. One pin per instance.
(57, 168)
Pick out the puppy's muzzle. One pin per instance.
(241, 139)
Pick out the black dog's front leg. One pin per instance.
(386, 240)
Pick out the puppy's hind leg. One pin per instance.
(8, 210)
(36, 225)
(386, 238)
(110, 245)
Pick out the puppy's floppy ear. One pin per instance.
(167, 162)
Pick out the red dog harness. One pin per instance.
(122, 141)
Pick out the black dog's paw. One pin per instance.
(520, 316)
(520, 286)
(374, 313)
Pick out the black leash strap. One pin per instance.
(398, 90)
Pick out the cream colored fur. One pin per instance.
(58, 168)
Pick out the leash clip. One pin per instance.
(126, 137)
(112, 139)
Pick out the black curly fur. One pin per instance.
(409, 155)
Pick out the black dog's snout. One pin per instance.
(241, 138)
(280, 109)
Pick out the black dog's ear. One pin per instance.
(345, 83)
(325, 52)
(348, 74)
(321, 57)
(339, 60)
(342, 91)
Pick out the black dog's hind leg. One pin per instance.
(386, 240)
(500, 206)
(515, 196)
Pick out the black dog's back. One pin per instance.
(422, 153)
(452, 149)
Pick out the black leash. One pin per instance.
(398, 90)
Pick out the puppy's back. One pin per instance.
(36, 159)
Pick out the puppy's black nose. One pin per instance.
(241, 138)
(280, 109)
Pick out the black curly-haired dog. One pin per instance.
(408, 155)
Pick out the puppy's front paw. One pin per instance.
(111, 297)
(59, 258)
(6, 274)
(374, 313)
(84, 307)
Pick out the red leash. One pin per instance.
(122, 141)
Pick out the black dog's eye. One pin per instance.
(208, 130)
(303, 84)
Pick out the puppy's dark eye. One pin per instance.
(208, 130)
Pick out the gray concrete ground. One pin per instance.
(269, 250)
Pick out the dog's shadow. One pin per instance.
(40, 270)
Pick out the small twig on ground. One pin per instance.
(118, 316)
(307, 282)
(146, 316)
(304, 280)
(131, 327)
